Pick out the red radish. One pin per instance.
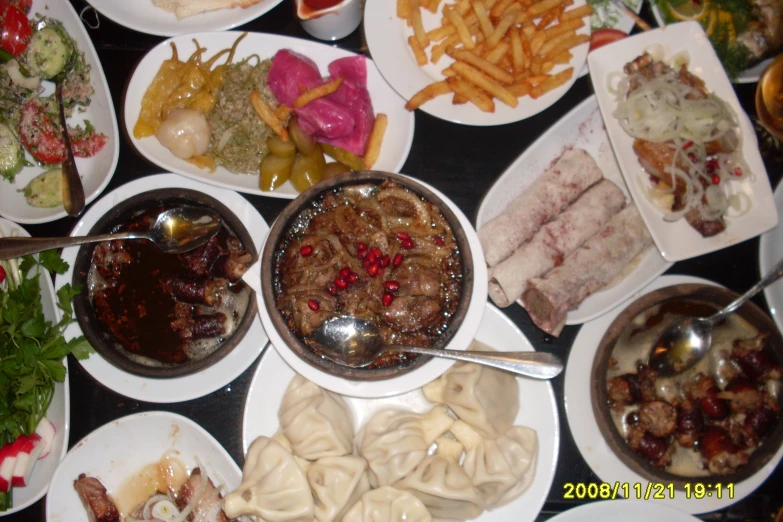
(47, 431)
(7, 463)
(31, 447)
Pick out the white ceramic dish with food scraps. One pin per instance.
(413, 379)
(59, 412)
(749, 75)
(119, 450)
(396, 142)
(606, 15)
(197, 384)
(387, 39)
(592, 445)
(677, 240)
(145, 17)
(622, 511)
(582, 128)
(96, 172)
(770, 252)
(538, 410)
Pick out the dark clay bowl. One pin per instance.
(95, 333)
(278, 233)
(719, 297)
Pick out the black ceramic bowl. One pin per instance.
(103, 341)
(716, 297)
(287, 219)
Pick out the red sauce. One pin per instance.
(313, 6)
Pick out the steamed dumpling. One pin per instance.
(283, 441)
(274, 488)
(387, 504)
(484, 397)
(442, 485)
(337, 483)
(394, 441)
(317, 423)
(503, 468)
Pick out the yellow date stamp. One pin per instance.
(648, 491)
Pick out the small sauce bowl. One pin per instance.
(330, 22)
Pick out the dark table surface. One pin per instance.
(464, 173)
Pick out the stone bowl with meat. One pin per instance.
(164, 315)
(718, 422)
(377, 246)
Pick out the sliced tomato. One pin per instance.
(15, 28)
(86, 145)
(602, 37)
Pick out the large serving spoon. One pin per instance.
(175, 231)
(688, 339)
(356, 343)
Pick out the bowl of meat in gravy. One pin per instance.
(378, 246)
(718, 422)
(164, 315)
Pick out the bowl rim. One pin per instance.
(598, 394)
(82, 305)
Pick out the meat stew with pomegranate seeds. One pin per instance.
(708, 420)
(166, 309)
(377, 252)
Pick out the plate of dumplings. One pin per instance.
(475, 444)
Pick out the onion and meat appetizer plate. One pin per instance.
(134, 456)
(208, 379)
(729, 173)
(256, 46)
(537, 410)
(582, 128)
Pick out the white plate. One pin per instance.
(607, 16)
(96, 172)
(538, 410)
(59, 412)
(197, 384)
(396, 142)
(623, 511)
(749, 75)
(387, 39)
(584, 427)
(415, 378)
(116, 451)
(770, 252)
(143, 16)
(678, 240)
(582, 128)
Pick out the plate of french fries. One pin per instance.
(479, 62)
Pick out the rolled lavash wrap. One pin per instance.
(569, 176)
(589, 268)
(554, 241)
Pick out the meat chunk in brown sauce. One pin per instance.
(96, 501)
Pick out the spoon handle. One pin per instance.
(539, 365)
(73, 190)
(765, 281)
(11, 247)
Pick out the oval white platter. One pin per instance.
(538, 410)
(387, 39)
(582, 128)
(59, 412)
(622, 511)
(197, 384)
(396, 143)
(96, 172)
(145, 17)
(116, 451)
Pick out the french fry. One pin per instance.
(480, 79)
(562, 57)
(268, 116)
(403, 9)
(283, 112)
(448, 72)
(536, 79)
(478, 97)
(483, 18)
(462, 30)
(439, 50)
(504, 25)
(376, 139)
(463, 7)
(537, 42)
(418, 26)
(492, 70)
(496, 54)
(579, 12)
(517, 55)
(552, 43)
(428, 93)
(432, 5)
(572, 41)
(539, 8)
(554, 81)
(519, 89)
(549, 17)
(547, 66)
(418, 52)
(438, 34)
(318, 92)
(500, 7)
(459, 99)
(563, 27)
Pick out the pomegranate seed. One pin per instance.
(391, 286)
(314, 305)
(738, 171)
(345, 273)
(407, 244)
(387, 299)
(361, 246)
(361, 254)
(372, 257)
(376, 252)
(306, 251)
(353, 277)
(342, 284)
(653, 180)
(332, 290)
(397, 261)
(438, 240)
(403, 236)
(692, 157)
(385, 261)
(373, 269)
(715, 179)
(687, 144)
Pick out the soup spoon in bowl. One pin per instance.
(357, 343)
(175, 231)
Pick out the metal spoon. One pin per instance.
(688, 339)
(357, 343)
(175, 231)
